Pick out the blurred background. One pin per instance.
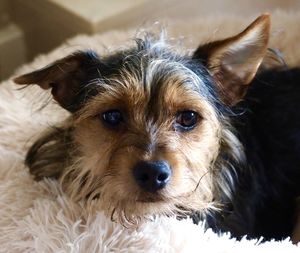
(31, 27)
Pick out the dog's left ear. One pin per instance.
(65, 77)
(233, 62)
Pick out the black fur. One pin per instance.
(268, 125)
(267, 122)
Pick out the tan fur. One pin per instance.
(38, 217)
(95, 160)
(108, 155)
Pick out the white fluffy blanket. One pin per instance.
(38, 217)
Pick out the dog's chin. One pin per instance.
(133, 213)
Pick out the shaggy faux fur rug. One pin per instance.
(38, 217)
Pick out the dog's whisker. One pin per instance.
(154, 131)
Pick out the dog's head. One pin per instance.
(149, 125)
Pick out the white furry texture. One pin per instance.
(38, 217)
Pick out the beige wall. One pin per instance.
(12, 45)
(3, 13)
(48, 22)
(197, 8)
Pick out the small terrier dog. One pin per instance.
(214, 136)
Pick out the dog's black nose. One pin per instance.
(152, 176)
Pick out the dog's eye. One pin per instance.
(112, 117)
(186, 120)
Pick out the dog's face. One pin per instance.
(148, 124)
(149, 137)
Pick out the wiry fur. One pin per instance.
(212, 176)
(86, 175)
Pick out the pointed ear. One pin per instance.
(233, 62)
(65, 77)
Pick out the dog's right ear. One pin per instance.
(65, 77)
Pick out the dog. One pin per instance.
(211, 135)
